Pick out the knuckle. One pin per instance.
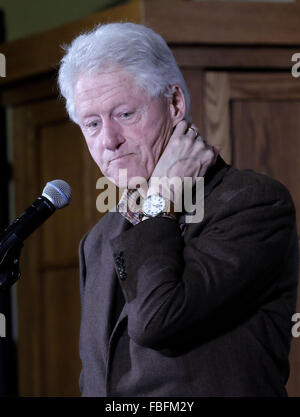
(209, 154)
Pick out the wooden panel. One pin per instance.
(48, 146)
(224, 22)
(221, 89)
(60, 333)
(217, 120)
(28, 293)
(59, 160)
(274, 86)
(181, 22)
(38, 88)
(268, 144)
(194, 82)
(42, 52)
(214, 56)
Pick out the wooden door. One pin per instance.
(47, 146)
(255, 117)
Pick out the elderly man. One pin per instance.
(170, 307)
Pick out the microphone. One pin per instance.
(56, 194)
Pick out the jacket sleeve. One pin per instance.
(226, 268)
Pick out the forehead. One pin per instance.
(109, 86)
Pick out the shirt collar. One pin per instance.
(130, 205)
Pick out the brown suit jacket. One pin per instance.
(204, 313)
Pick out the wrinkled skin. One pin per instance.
(125, 128)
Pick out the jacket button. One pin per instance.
(120, 264)
(122, 274)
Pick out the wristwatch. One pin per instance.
(156, 205)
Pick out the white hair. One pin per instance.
(132, 47)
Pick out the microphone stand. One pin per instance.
(9, 263)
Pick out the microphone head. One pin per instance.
(58, 192)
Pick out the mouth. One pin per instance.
(119, 157)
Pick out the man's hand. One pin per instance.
(186, 155)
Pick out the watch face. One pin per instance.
(154, 205)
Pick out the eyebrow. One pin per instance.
(87, 115)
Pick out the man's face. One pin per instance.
(122, 125)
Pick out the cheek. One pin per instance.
(157, 125)
(154, 141)
(96, 154)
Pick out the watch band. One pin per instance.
(164, 215)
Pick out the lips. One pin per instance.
(119, 157)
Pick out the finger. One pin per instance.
(201, 143)
(180, 128)
(200, 139)
(208, 160)
(192, 131)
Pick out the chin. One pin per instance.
(132, 178)
(124, 177)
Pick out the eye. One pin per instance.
(126, 115)
(92, 125)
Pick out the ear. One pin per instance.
(177, 105)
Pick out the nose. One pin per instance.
(111, 135)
